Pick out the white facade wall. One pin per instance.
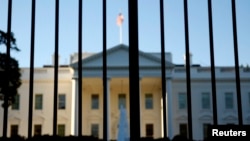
(43, 84)
(200, 82)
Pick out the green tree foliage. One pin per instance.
(10, 76)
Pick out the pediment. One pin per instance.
(118, 56)
(62, 118)
(230, 117)
(182, 117)
(206, 117)
(149, 115)
(14, 119)
(38, 118)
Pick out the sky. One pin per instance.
(149, 29)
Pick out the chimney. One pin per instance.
(190, 59)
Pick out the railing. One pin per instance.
(133, 67)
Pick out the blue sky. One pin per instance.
(149, 29)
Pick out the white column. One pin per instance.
(108, 108)
(162, 121)
(74, 110)
(169, 108)
(141, 102)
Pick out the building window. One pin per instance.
(148, 101)
(149, 130)
(183, 129)
(15, 105)
(61, 101)
(122, 101)
(95, 130)
(13, 130)
(229, 100)
(39, 101)
(95, 101)
(205, 130)
(205, 101)
(182, 101)
(61, 130)
(38, 130)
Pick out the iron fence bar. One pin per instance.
(56, 66)
(236, 60)
(188, 80)
(213, 78)
(134, 84)
(32, 48)
(104, 69)
(80, 69)
(163, 69)
(6, 96)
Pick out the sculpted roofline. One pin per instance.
(151, 58)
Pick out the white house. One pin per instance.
(118, 91)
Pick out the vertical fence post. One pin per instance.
(104, 75)
(236, 60)
(32, 48)
(188, 80)
(56, 67)
(163, 69)
(134, 92)
(80, 69)
(6, 96)
(213, 80)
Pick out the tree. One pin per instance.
(3, 40)
(10, 80)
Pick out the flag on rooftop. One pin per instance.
(119, 19)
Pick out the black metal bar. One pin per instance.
(6, 97)
(236, 60)
(32, 48)
(188, 80)
(163, 69)
(134, 84)
(104, 59)
(213, 80)
(80, 69)
(56, 67)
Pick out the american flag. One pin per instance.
(119, 19)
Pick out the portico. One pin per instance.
(118, 92)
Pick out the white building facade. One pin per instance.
(118, 91)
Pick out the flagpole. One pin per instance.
(120, 27)
(119, 22)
